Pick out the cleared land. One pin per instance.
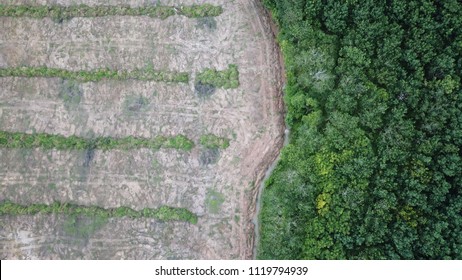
(237, 128)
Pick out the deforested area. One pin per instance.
(135, 131)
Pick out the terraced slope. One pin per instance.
(132, 136)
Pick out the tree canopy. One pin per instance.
(374, 165)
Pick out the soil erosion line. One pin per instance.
(274, 88)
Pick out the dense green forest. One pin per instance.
(373, 169)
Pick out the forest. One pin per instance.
(373, 169)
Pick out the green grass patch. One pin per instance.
(16, 140)
(61, 13)
(179, 142)
(201, 11)
(226, 79)
(146, 74)
(82, 226)
(164, 213)
(211, 141)
(214, 200)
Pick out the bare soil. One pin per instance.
(220, 187)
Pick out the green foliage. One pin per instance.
(146, 74)
(226, 79)
(179, 142)
(61, 13)
(82, 226)
(374, 165)
(201, 11)
(211, 141)
(167, 213)
(16, 140)
(214, 200)
(100, 215)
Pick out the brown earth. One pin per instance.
(221, 188)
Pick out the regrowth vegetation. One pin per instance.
(374, 165)
(20, 140)
(214, 200)
(212, 78)
(146, 74)
(211, 141)
(17, 140)
(61, 13)
(226, 79)
(163, 213)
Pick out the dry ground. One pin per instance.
(219, 187)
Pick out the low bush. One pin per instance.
(16, 140)
(226, 79)
(164, 213)
(211, 141)
(96, 75)
(62, 13)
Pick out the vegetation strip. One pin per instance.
(147, 74)
(17, 140)
(164, 213)
(61, 13)
(211, 141)
(226, 79)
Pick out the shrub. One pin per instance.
(211, 141)
(164, 213)
(61, 13)
(226, 79)
(96, 75)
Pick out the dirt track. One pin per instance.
(223, 193)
